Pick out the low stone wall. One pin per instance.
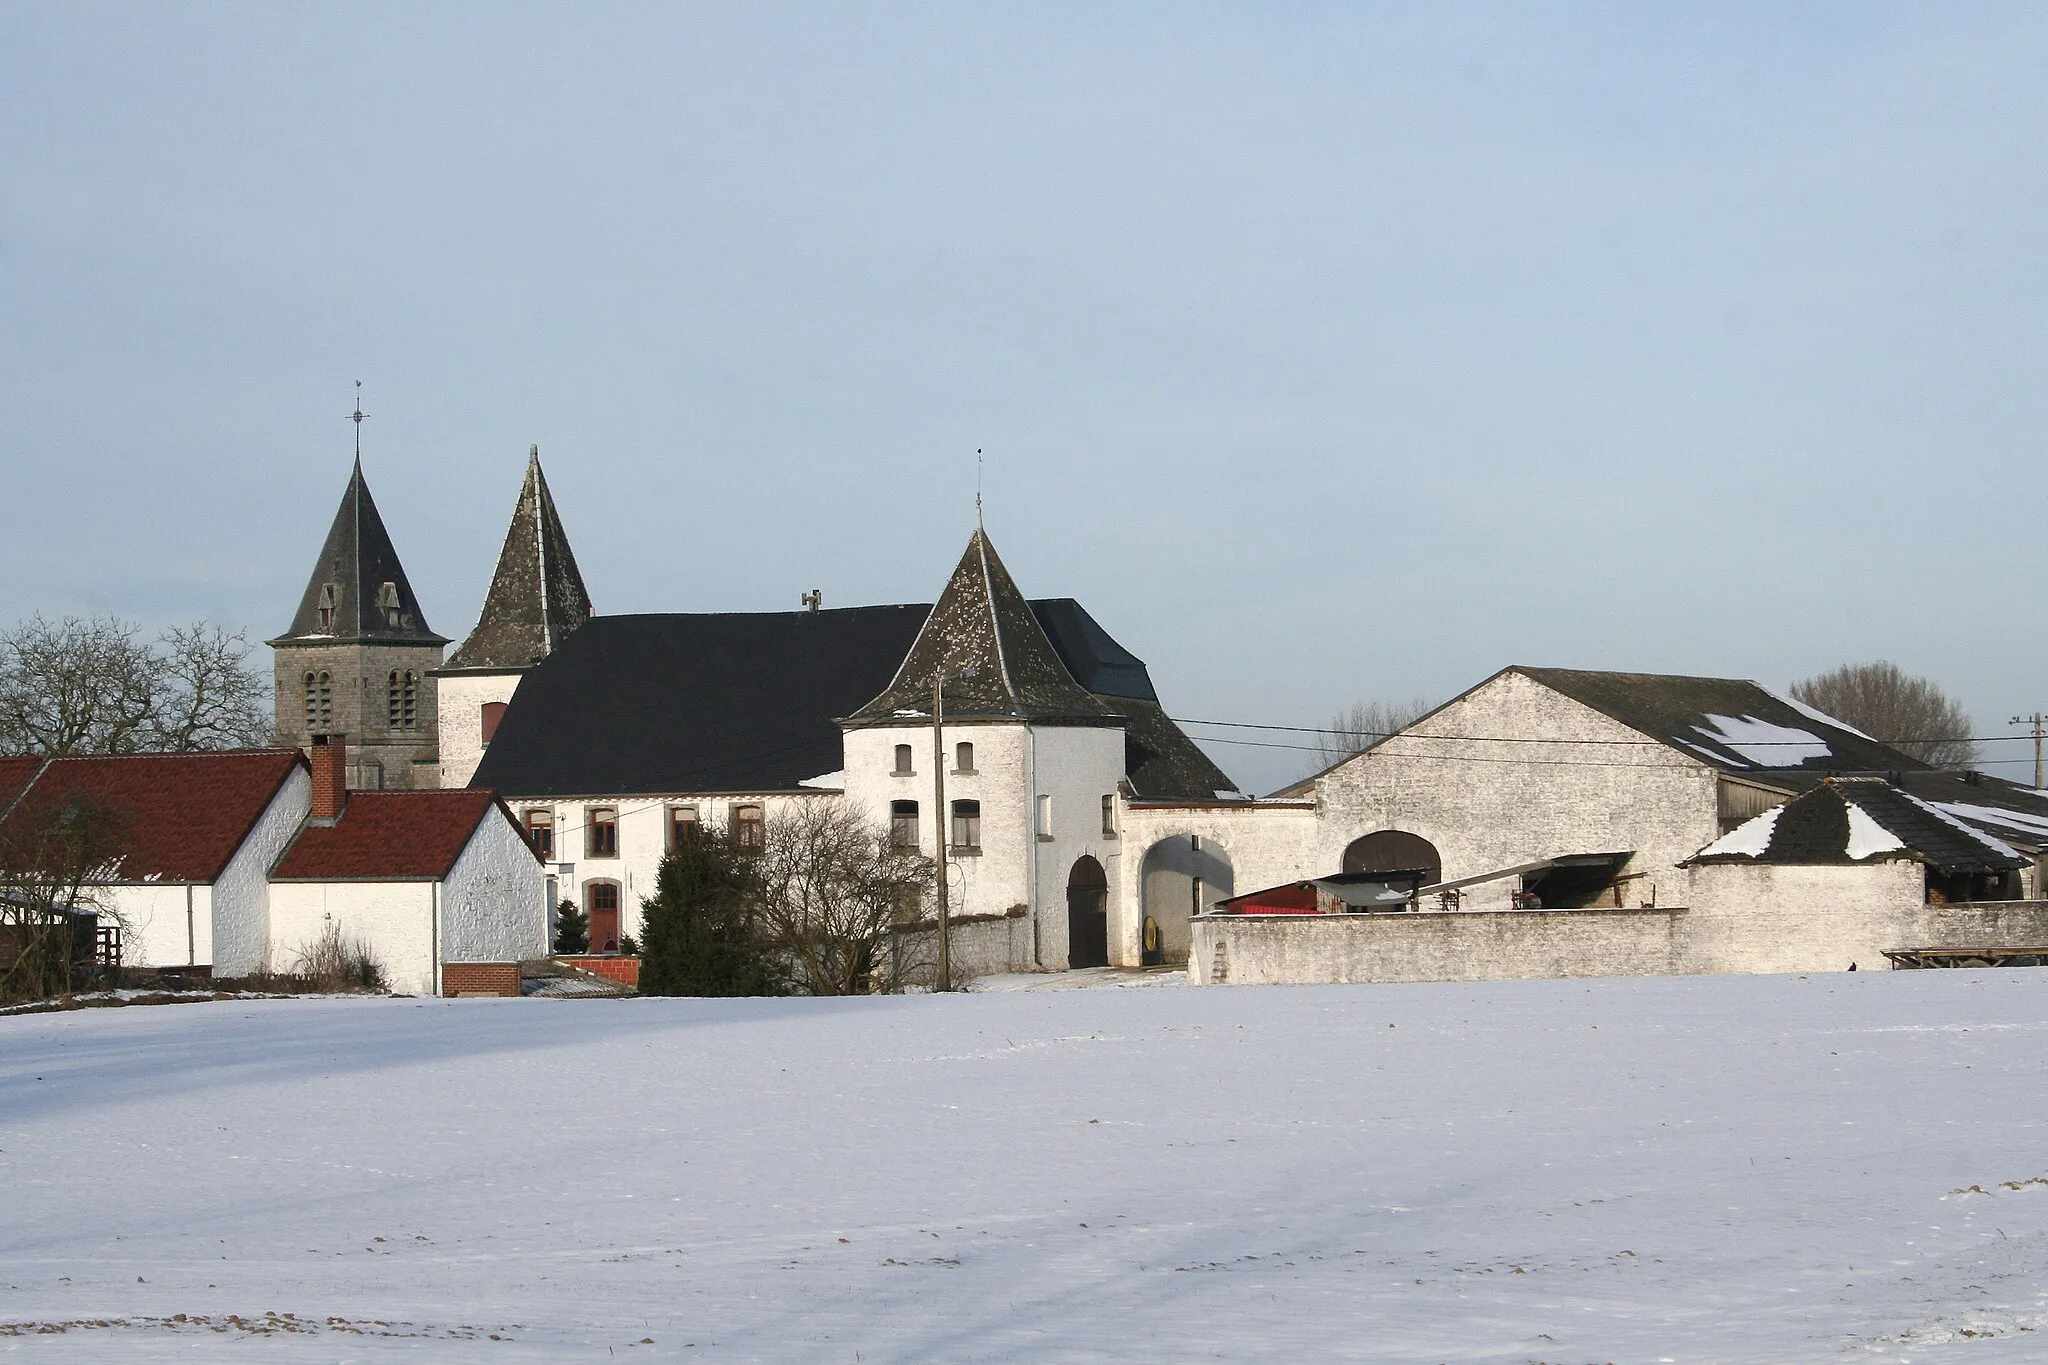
(1461, 945)
(982, 945)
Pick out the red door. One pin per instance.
(604, 918)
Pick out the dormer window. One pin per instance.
(387, 602)
(327, 599)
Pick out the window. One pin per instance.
(327, 596)
(1045, 815)
(320, 703)
(403, 698)
(1109, 817)
(967, 825)
(601, 832)
(747, 830)
(682, 823)
(488, 718)
(903, 824)
(540, 832)
(387, 600)
(963, 758)
(903, 768)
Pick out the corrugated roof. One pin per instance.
(184, 815)
(396, 835)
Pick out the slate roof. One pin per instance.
(1822, 827)
(185, 815)
(687, 703)
(984, 638)
(537, 596)
(1738, 726)
(391, 836)
(355, 563)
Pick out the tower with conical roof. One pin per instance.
(536, 599)
(356, 659)
(1029, 759)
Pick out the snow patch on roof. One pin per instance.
(1747, 840)
(1765, 744)
(2033, 826)
(831, 782)
(1991, 842)
(1812, 713)
(1867, 838)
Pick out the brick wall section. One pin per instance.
(480, 978)
(624, 970)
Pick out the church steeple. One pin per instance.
(537, 595)
(997, 660)
(358, 591)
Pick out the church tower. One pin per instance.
(356, 660)
(536, 599)
(1029, 759)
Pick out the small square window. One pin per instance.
(903, 762)
(963, 758)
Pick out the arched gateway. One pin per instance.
(1394, 850)
(1087, 914)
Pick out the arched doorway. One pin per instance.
(1394, 850)
(1087, 914)
(1182, 876)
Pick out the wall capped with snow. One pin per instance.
(494, 902)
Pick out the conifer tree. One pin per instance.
(572, 929)
(697, 931)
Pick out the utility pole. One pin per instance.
(2038, 722)
(940, 825)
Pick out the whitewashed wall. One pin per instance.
(395, 920)
(1076, 766)
(494, 902)
(1528, 800)
(163, 924)
(1265, 843)
(241, 898)
(460, 700)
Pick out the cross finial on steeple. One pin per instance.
(357, 417)
(977, 488)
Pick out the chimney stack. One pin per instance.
(330, 776)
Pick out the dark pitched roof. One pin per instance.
(1091, 657)
(650, 705)
(983, 636)
(395, 835)
(537, 596)
(1860, 820)
(1736, 725)
(345, 598)
(183, 815)
(738, 702)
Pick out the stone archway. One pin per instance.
(1394, 850)
(1180, 877)
(1087, 914)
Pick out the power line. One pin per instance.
(1525, 739)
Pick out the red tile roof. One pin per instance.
(185, 815)
(15, 775)
(406, 836)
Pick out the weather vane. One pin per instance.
(357, 417)
(977, 488)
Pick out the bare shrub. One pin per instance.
(1365, 723)
(78, 686)
(335, 962)
(830, 884)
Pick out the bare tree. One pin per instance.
(830, 884)
(1911, 714)
(1365, 723)
(50, 857)
(96, 686)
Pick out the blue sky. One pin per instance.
(1325, 352)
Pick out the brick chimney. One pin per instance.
(330, 776)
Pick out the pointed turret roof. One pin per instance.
(358, 591)
(537, 596)
(983, 636)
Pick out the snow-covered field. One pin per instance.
(1693, 1169)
